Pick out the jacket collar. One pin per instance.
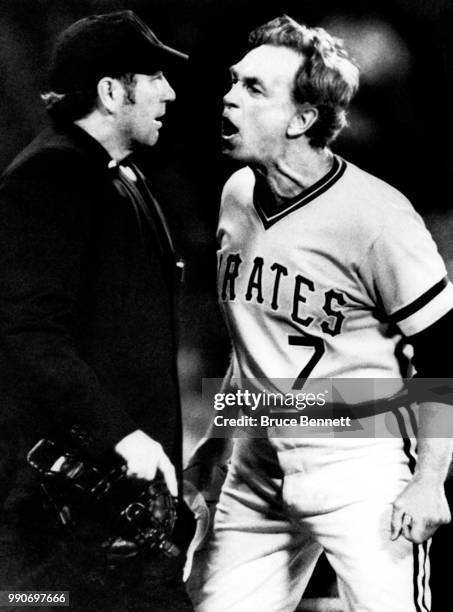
(79, 138)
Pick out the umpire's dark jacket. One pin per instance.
(86, 307)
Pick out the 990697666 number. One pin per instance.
(34, 598)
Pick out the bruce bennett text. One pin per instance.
(269, 421)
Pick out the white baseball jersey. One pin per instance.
(326, 285)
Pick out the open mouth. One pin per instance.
(228, 128)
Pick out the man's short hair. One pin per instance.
(326, 79)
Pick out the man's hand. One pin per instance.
(144, 456)
(420, 509)
(209, 455)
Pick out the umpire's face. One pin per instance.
(142, 108)
(259, 108)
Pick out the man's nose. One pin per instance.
(168, 93)
(231, 97)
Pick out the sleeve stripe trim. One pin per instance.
(429, 314)
(421, 301)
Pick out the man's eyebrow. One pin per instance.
(250, 80)
(254, 81)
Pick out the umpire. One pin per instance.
(88, 276)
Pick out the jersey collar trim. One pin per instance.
(270, 213)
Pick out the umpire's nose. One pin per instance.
(168, 91)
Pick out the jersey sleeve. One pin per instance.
(406, 274)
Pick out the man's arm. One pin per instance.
(422, 507)
(212, 450)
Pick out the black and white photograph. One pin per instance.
(226, 245)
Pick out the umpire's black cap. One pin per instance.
(111, 44)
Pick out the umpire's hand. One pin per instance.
(144, 456)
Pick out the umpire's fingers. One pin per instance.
(169, 473)
(396, 524)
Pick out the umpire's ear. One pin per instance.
(301, 121)
(110, 94)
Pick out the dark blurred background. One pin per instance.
(401, 121)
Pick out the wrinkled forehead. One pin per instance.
(270, 64)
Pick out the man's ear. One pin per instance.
(302, 121)
(110, 93)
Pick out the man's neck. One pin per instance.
(99, 127)
(291, 175)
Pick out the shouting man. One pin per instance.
(324, 272)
